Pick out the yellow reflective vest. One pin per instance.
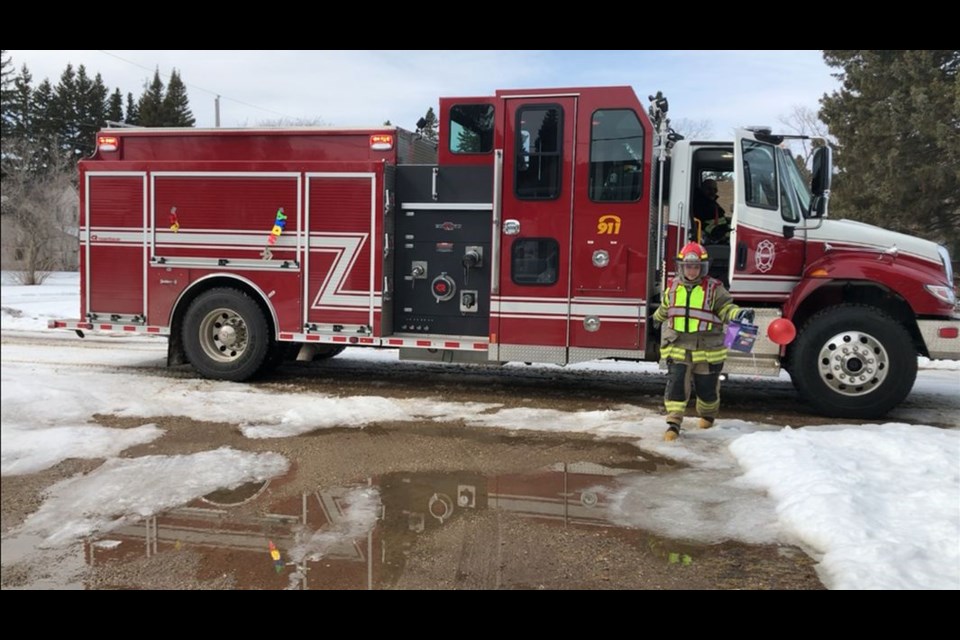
(693, 314)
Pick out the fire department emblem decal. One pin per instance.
(765, 255)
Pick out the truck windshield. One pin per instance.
(797, 181)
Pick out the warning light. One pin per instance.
(108, 143)
(381, 141)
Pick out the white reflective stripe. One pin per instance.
(346, 248)
(247, 240)
(634, 320)
(112, 235)
(763, 296)
(224, 174)
(707, 316)
(769, 277)
(447, 206)
(602, 300)
(762, 286)
(192, 238)
(559, 318)
(624, 311)
(528, 299)
(520, 316)
(561, 307)
(696, 314)
(558, 308)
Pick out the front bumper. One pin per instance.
(942, 338)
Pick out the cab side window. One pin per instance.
(616, 156)
(471, 128)
(538, 144)
(535, 261)
(760, 175)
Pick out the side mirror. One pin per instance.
(818, 206)
(820, 182)
(822, 171)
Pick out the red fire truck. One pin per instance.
(541, 228)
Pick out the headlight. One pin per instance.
(941, 292)
(947, 265)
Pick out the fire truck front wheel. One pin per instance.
(853, 361)
(225, 335)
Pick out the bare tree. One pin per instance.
(38, 209)
(805, 122)
(292, 122)
(693, 129)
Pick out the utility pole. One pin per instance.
(216, 109)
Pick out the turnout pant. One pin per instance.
(705, 379)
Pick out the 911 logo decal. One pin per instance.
(609, 224)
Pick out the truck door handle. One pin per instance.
(741, 256)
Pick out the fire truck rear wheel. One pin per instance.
(225, 335)
(853, 361)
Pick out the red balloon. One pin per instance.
(782, 331)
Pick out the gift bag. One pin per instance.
(740, 336)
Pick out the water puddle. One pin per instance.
(556, 527)
(352, 537)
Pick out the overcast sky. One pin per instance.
(346, 88)
(876, 505)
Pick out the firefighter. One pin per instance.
(693, 312)
(714, 221)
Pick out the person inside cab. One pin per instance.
(714, 221)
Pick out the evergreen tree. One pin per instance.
(115, 107)
(468, 141)
(43, 111)
(896, 120)
(45, 125)
(7, 92)
(431, 130)
(65, 112)
(18, 114)
(133, 113)
(176, 106)
(91, 112)
(150, 107)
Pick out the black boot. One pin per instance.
(672, 432)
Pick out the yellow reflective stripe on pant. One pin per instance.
(686, 376)
(679, 354)
(713, 356)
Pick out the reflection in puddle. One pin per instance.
(356, 537)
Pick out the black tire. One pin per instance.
(225, 335)
(853, 361)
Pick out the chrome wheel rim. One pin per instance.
(853, 363)
(223, 335)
